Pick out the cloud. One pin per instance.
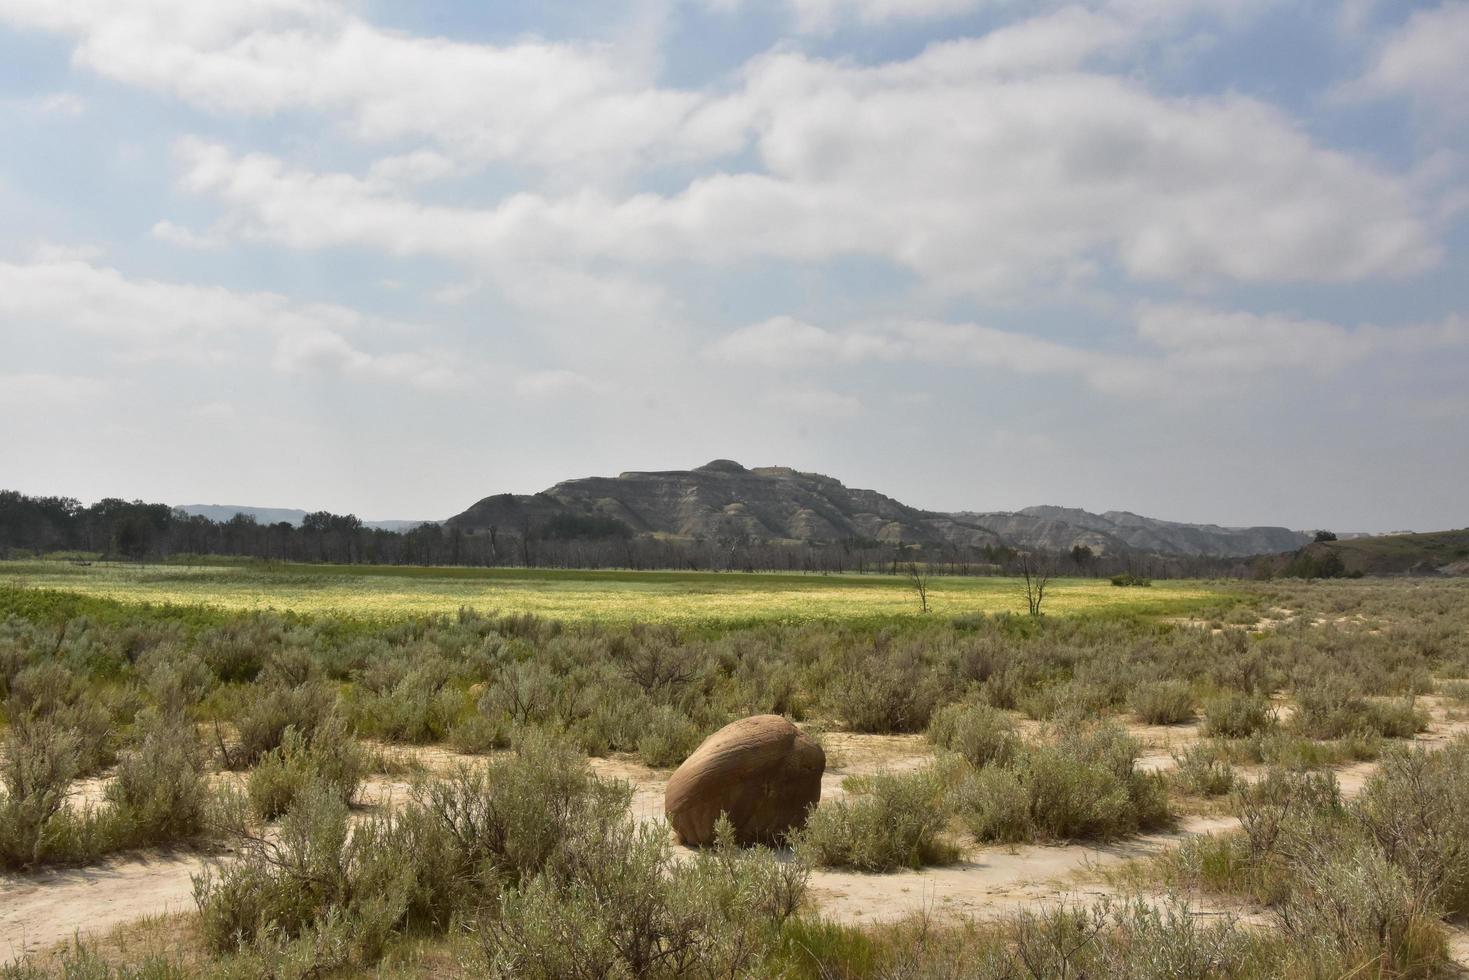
(146, 319)
(978, 184)
(1192, 351)
(784, 341)
(813, 402)
(565, 105)
(167, 231)
(29, 391)
(1424, 61)
(553, 384)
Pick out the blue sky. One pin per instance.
(1200, 259)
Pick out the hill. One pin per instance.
(724, 500)
(275, 515)
(1433, 553)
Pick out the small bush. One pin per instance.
(39, 763)
(894, 824)
(1357, 915)
(1085, 785)
(670, 737)
(1416, 809)
(613, 903)
(1236, 715)
(1163, 703)
(886, 695)
(265, 714)
(160, 795)
(1333, 710)
(1199, 771)
(333, 760)
(1128, 580)
(981, 734)
(995, 806)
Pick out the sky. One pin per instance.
(1205, 260)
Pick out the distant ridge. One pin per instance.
(275, 515)
(725, 500)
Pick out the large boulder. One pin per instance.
(761, 771)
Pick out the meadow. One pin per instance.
(352, 772)
(582, 597)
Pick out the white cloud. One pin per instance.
(1195, 351)
(565, 105)
(977, 183)
(167, 231)
(784, 341)
(1424, 60)
(817, 402)
(35, 390)
(149, 319)
(553, 383)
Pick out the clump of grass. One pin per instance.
(1333, 710)
(886, 693)
(263, 716)
(612, 902)
(669, 738)
(894, 822)
(332, 759)
(980, 734)
(1162, 703)
(1237, 715)
(1199, 771)
(39, 763)
(1084, 785)
(160, 795)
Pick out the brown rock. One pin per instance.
(761, 771)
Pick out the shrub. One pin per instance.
(1237, 715)
(160, 795)
(613, 903)
(39, 763)
(1351, 913)
(1333, 710)
(981, 734)
(894, 824)
(1085, 785)
(263, 717)
(333, 760)
(1162, 703)
(50, 693)
(669, 738)
(886, 695)
(1128, 580)
(478, 734)
(1198, 770)
(1416, 809)
(995, 806)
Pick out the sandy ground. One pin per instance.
(38, 911)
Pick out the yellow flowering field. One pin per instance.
(682, 598)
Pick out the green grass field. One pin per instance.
(611, 597)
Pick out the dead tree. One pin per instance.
(1037, 570)
(918, 579)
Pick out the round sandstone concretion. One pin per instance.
(761, 771)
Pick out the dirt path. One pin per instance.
(991, 881)
(39, 911)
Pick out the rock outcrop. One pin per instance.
(761, 771)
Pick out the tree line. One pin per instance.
(114, 528)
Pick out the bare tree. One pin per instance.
(918, 579)
(1037, 570)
